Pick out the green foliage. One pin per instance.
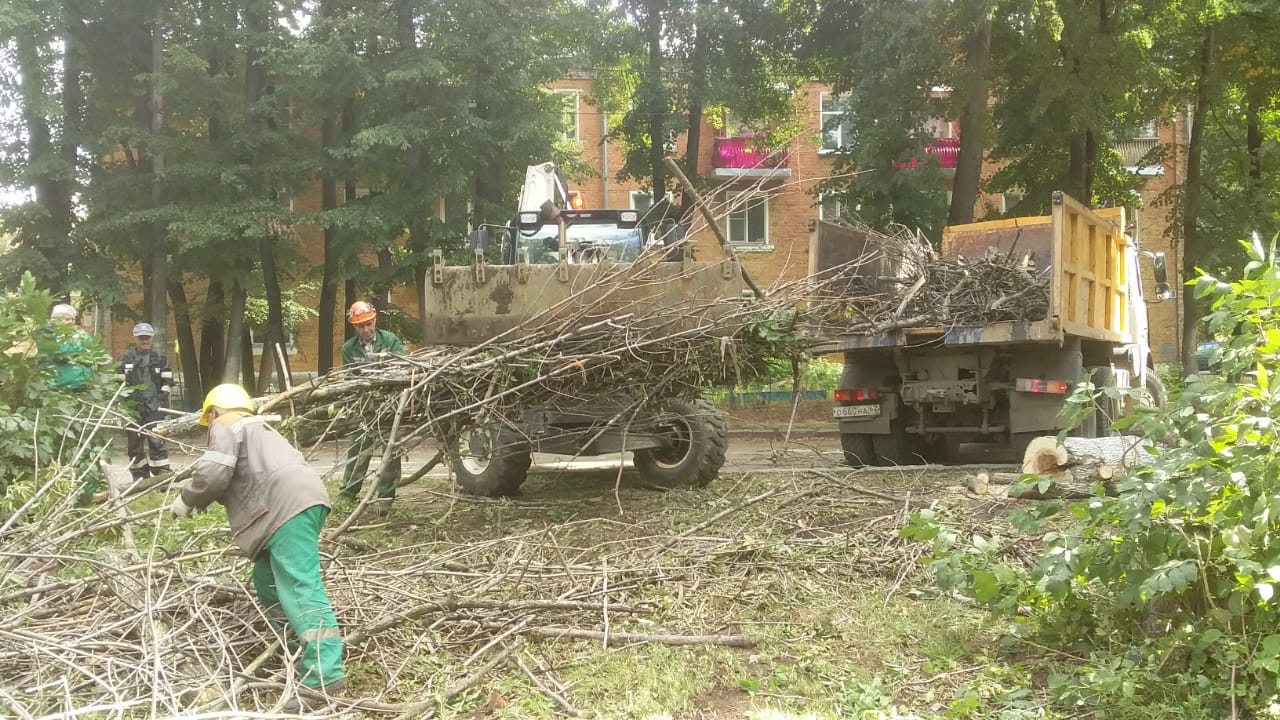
(44, 428)
(873, 55)
(1168, 589)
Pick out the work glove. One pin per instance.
(179, 508)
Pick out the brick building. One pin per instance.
(765, 202)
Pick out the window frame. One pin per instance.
(576, 95)
(842, 129)
(734, 204)
(823, 200)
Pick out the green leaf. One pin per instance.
(986, 587)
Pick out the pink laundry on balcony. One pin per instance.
(746, 152)
(947, 150)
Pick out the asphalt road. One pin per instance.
(747, 451)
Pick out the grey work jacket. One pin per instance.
(260, 478)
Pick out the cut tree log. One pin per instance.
(1077, 464)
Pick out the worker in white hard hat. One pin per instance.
(69, 373)
(74, 358)
(146, 369)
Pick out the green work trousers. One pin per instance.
(286, 578)
(358, 467)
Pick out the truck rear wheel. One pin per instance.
(490, 461)
(894, 448)
(694, 444)
(1156, 394)
(1105, 409)
(858, 450)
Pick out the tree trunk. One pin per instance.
(973, 125)
(275, 311)
(235, 333)
(329, 279)
(73, 109)
(697, 96)
(192, 387)
(349, 288)
(246, 359)
(657, 105)
(213, 345)
(1253, 138)
(157, 306)
(1078, 167)
(414, 173)
(350, 295)
(1191, 192)
(1077, 464)
(50, 234)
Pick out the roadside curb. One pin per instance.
(779, 434)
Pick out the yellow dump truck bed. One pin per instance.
(1087, 254)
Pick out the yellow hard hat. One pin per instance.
(227, 396)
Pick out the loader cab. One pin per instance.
(590, 236)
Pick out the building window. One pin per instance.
(941, 129)
(833, 117)
(748, 219)
(1009, 200)
(1149, 131)
(642, 200)
(830, 207)
(570, 119)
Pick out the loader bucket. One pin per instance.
(465, 305)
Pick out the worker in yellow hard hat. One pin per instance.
(368, 344)
(276, 504)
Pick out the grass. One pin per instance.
(844, 625)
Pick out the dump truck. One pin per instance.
(560, 258)
(917, 393)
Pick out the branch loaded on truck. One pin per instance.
(919, 391)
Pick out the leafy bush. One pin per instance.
(46, 432)
(1168, 590)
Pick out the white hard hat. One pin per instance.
(143, 329)
(63, 311)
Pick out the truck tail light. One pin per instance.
(1036, 385)
(857, 395)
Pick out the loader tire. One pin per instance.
(858, 450)
(696, 442)
(490, 461)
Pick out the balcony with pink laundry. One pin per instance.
(748, 156)
(946, 150)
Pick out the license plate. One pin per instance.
(856, 411)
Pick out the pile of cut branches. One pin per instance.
(563, 357)
(902, 282)
(122, 612)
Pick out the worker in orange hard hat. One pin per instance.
(368, 345)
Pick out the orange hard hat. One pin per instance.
(361, 312)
